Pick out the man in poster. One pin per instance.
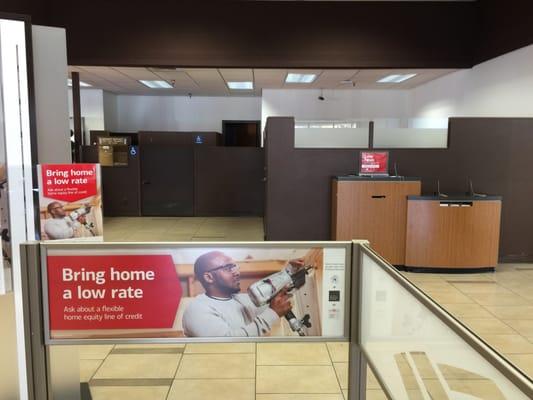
(63, 225)
(222, 310)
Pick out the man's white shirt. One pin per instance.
(60, 228)
(237, 316)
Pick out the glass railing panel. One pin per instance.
(419, 352)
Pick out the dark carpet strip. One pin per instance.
(85, 391)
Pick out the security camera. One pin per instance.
(321, 98)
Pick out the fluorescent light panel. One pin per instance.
(241, 85)
(156, 84)
(397, 78)
(82, 84)
(300, 78)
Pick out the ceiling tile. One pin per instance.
(332, 78)
(137, 73)
(237, 75)
(210, 82)
(269, 78)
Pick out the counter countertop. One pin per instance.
(456, 198)
(375, 178)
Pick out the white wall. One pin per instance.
(346, 104)
(501, 87)
(51, 107)
(92, 109)
(110, 112)
(181, 113)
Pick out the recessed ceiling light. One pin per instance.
(397, 78)
(157, 84)
(300, 78)
(241, 85)
(82, 84)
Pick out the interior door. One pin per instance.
(167, 180)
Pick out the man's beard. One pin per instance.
(227, 288)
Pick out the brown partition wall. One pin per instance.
(496, 153)
(175, 180)
(120, 185)
(229, 181)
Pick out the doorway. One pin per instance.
(241, 133)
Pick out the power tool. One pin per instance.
(291, 278)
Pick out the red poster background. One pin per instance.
(69, 182)
(156, 309)
(374, 162)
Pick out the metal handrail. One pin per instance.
(506, 368)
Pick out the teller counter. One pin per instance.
(453, 232)
(373, 209)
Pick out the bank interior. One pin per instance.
(218, 155)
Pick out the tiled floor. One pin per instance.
(183, 229)
(497, 306)
(247, 371)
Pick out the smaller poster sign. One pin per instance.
(374, 163)
(70, 202)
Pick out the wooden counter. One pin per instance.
(374, 209)
(453, 232)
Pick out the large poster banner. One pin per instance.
(196, 292)
(70, 202)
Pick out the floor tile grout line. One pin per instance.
(461, 319)
(102, 363)
(335, 370)
(213, 379)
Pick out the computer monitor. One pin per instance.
(374, 163)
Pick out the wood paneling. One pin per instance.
(503, 28)
(298, 191)
(179, 138)
(167, 180)
(229, 181)
(457, 237)
(375, 211)
(268, 34)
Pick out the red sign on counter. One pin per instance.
(374, 163)
(112, 292)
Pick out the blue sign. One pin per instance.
(199, 140)
(133, 151)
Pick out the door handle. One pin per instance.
(379, 197)
(146, 182)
